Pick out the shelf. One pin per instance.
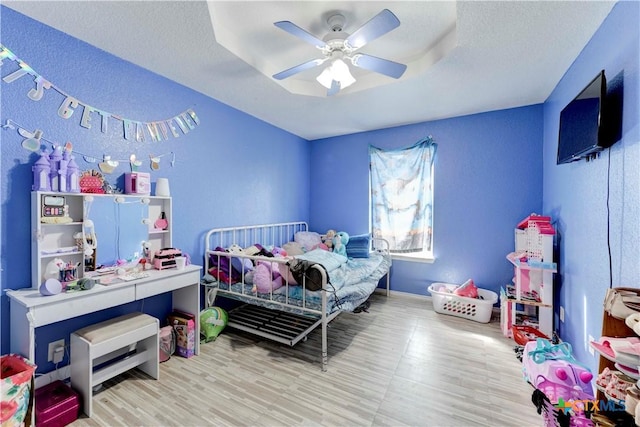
(158, 231)
(625, 370)
(127, 221)
(532, 265)
(57, 224)
(528, 302)
(59, 254)
(510, 295)
(531, 289)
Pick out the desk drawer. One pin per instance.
(82, 304)
(166, 284)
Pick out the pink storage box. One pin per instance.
(137, 183)
(56, 405)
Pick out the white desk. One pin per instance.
(29, 309)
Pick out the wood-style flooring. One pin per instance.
(400, 364)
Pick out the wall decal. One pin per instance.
(133, 130)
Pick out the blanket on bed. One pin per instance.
(303, 270)
(351, 282)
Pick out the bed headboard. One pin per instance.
(245, 236)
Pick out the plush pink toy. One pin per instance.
(263, 279)
(266, 275)
(467, 289)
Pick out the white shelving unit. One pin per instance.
(532, 285)
(57, 217)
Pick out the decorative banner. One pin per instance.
(133, 130)
(34, 141)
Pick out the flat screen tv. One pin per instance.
(582, 132)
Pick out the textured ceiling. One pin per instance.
(462, 57)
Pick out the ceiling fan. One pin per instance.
(338, 46)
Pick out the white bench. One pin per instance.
(101, 351)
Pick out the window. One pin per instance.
(401, 198)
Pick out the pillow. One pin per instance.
(308, 239)
(359, 246)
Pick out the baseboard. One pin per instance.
(383, 291)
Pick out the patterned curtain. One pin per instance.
(401, 195)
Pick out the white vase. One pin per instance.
(162, 187)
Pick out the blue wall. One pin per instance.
(488, 177)
(576, 194)
(492, 169)
(228, 151)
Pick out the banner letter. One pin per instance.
(129, 129)
(193, 116)
(172, 128)
(41, 85)
(181, 124)
(103, 124)
(86, 117)
(24, 69)
(187, 121)
(65, 111)
(139, 132)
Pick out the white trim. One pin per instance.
(406, 294)
(415, 257)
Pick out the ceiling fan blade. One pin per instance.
(379, 65)
(335, 88)
(298, 68)
(377, 26)
(293, 29)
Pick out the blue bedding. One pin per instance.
(351, 282)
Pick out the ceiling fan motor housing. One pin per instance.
(336, 22)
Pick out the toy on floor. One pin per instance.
(552, 369)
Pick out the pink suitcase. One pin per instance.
(56, 405)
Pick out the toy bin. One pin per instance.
(522, 334)
(477, 309)
(56, 405)
(15, 398)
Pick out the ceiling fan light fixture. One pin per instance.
(338, 71)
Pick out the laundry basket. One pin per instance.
(477, 309)
(15, 397)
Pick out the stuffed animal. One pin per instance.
(327, 239)
(340, 241)
(265, 279)
(266, 275)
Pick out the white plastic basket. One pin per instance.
(477, 309)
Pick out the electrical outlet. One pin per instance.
(52, 347)
(591, 350)
(561, 313)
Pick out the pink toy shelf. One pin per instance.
(532, 285)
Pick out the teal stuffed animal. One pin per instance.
(340, 241)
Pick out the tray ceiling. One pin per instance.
(463, 57)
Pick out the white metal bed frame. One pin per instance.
(276, 323)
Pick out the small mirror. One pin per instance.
(119, 228)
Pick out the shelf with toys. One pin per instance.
(73, 235)
(80, 223)
(528, 300)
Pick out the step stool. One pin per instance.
(102, 351)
